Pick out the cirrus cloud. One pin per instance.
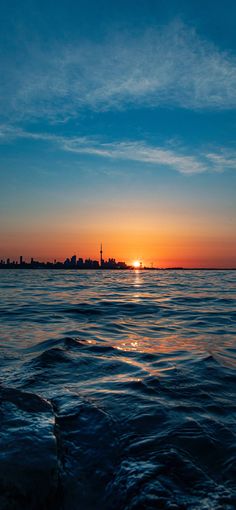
(171, 66)
(180, 159)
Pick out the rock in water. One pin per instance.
(28, 452)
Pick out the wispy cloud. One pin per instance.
(142, 153)
(175, 158)
(169, 66)
(223, 159)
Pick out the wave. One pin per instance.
(118, 392)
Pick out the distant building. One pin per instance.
(73, 260)
(80, 262)
(88, 263)
(121, 265)
(110, 264)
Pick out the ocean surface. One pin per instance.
(117, 390)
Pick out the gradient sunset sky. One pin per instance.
(118, 125)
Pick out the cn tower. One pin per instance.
(101, 259)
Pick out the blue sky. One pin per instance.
(121, 111)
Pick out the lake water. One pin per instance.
(117, 390)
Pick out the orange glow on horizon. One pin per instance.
(187, 241)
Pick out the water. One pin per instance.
(118, 390)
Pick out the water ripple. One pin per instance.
(118, 390)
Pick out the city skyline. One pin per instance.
(75, 261)
(78, 262)
(117, 123)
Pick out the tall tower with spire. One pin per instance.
(101, 259)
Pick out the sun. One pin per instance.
(136, 264)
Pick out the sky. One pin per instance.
(117, 124)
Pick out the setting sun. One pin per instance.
(136, 264)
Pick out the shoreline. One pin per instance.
(51, 267)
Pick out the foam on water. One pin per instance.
(118, 390)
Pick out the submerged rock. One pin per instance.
(28, 452)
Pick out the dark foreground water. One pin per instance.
(117, 390)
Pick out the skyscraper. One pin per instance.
(73, 260)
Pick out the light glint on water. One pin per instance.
(138, 371)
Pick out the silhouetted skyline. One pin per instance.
(75, 262)
(72, 262)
